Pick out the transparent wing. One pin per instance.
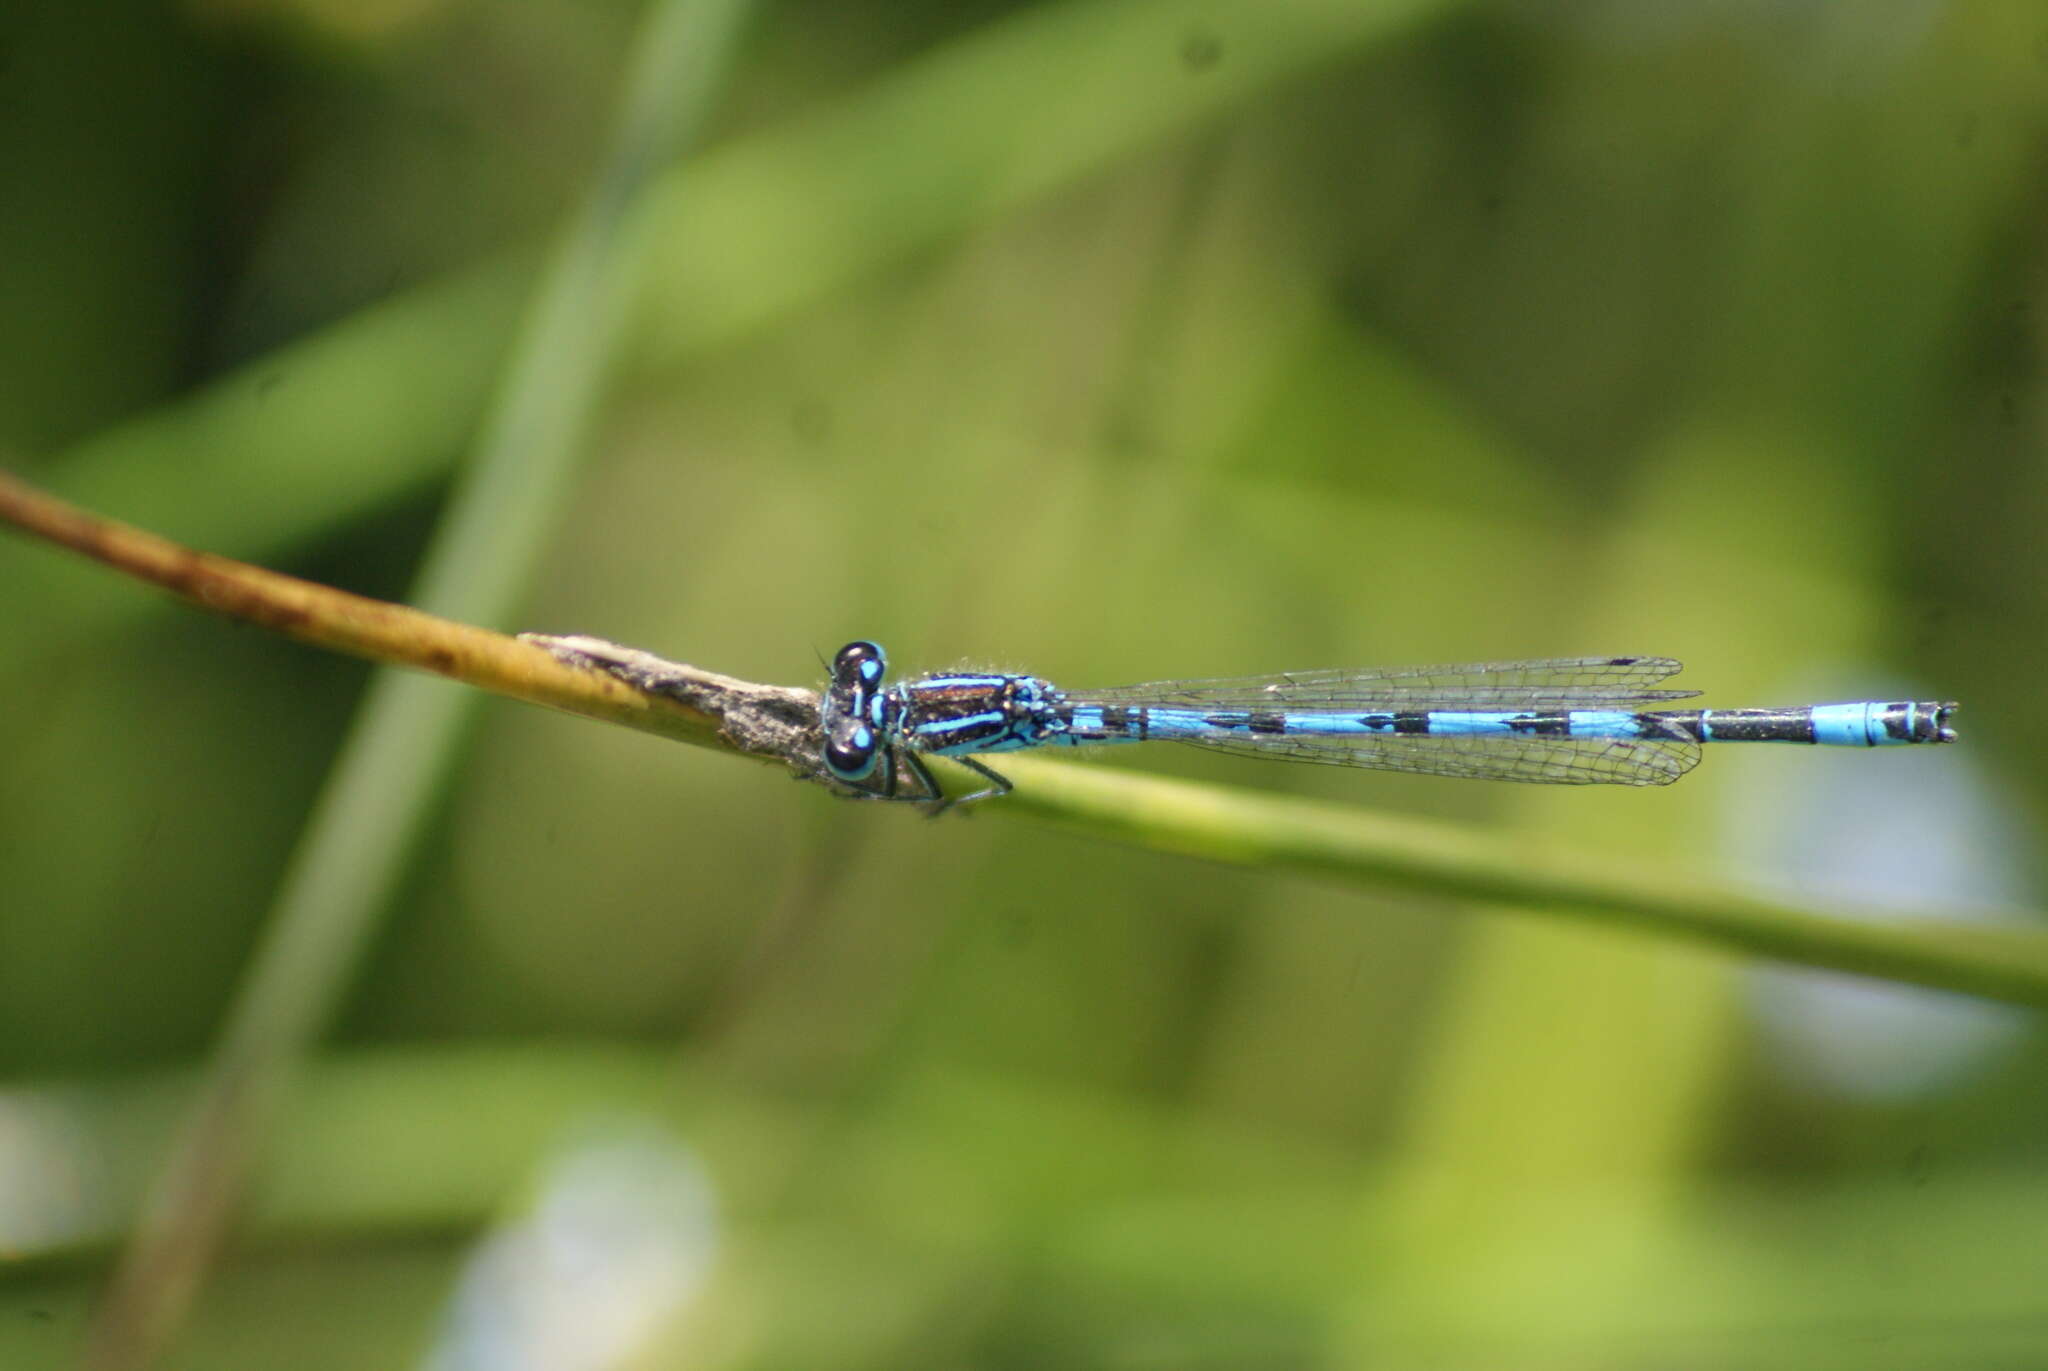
(1545, 760)
(1548, 683)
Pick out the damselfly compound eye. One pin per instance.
(859, 659)
(850, 752)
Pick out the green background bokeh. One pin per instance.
(1108, 341)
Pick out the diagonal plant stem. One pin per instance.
(405, 739)
(2000, 961)
(770, 722)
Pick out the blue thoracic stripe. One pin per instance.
(1573, 720)
(939, 728)
(947, 683)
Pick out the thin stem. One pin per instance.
(2001, 961)
(354, 624)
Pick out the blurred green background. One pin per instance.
(1109, 339)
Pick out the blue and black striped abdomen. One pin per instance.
(1142, 723)
(1557, 746)
(1864, 724)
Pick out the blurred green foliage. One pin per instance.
(1111, 340)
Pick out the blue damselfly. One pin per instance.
(1559, 721)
